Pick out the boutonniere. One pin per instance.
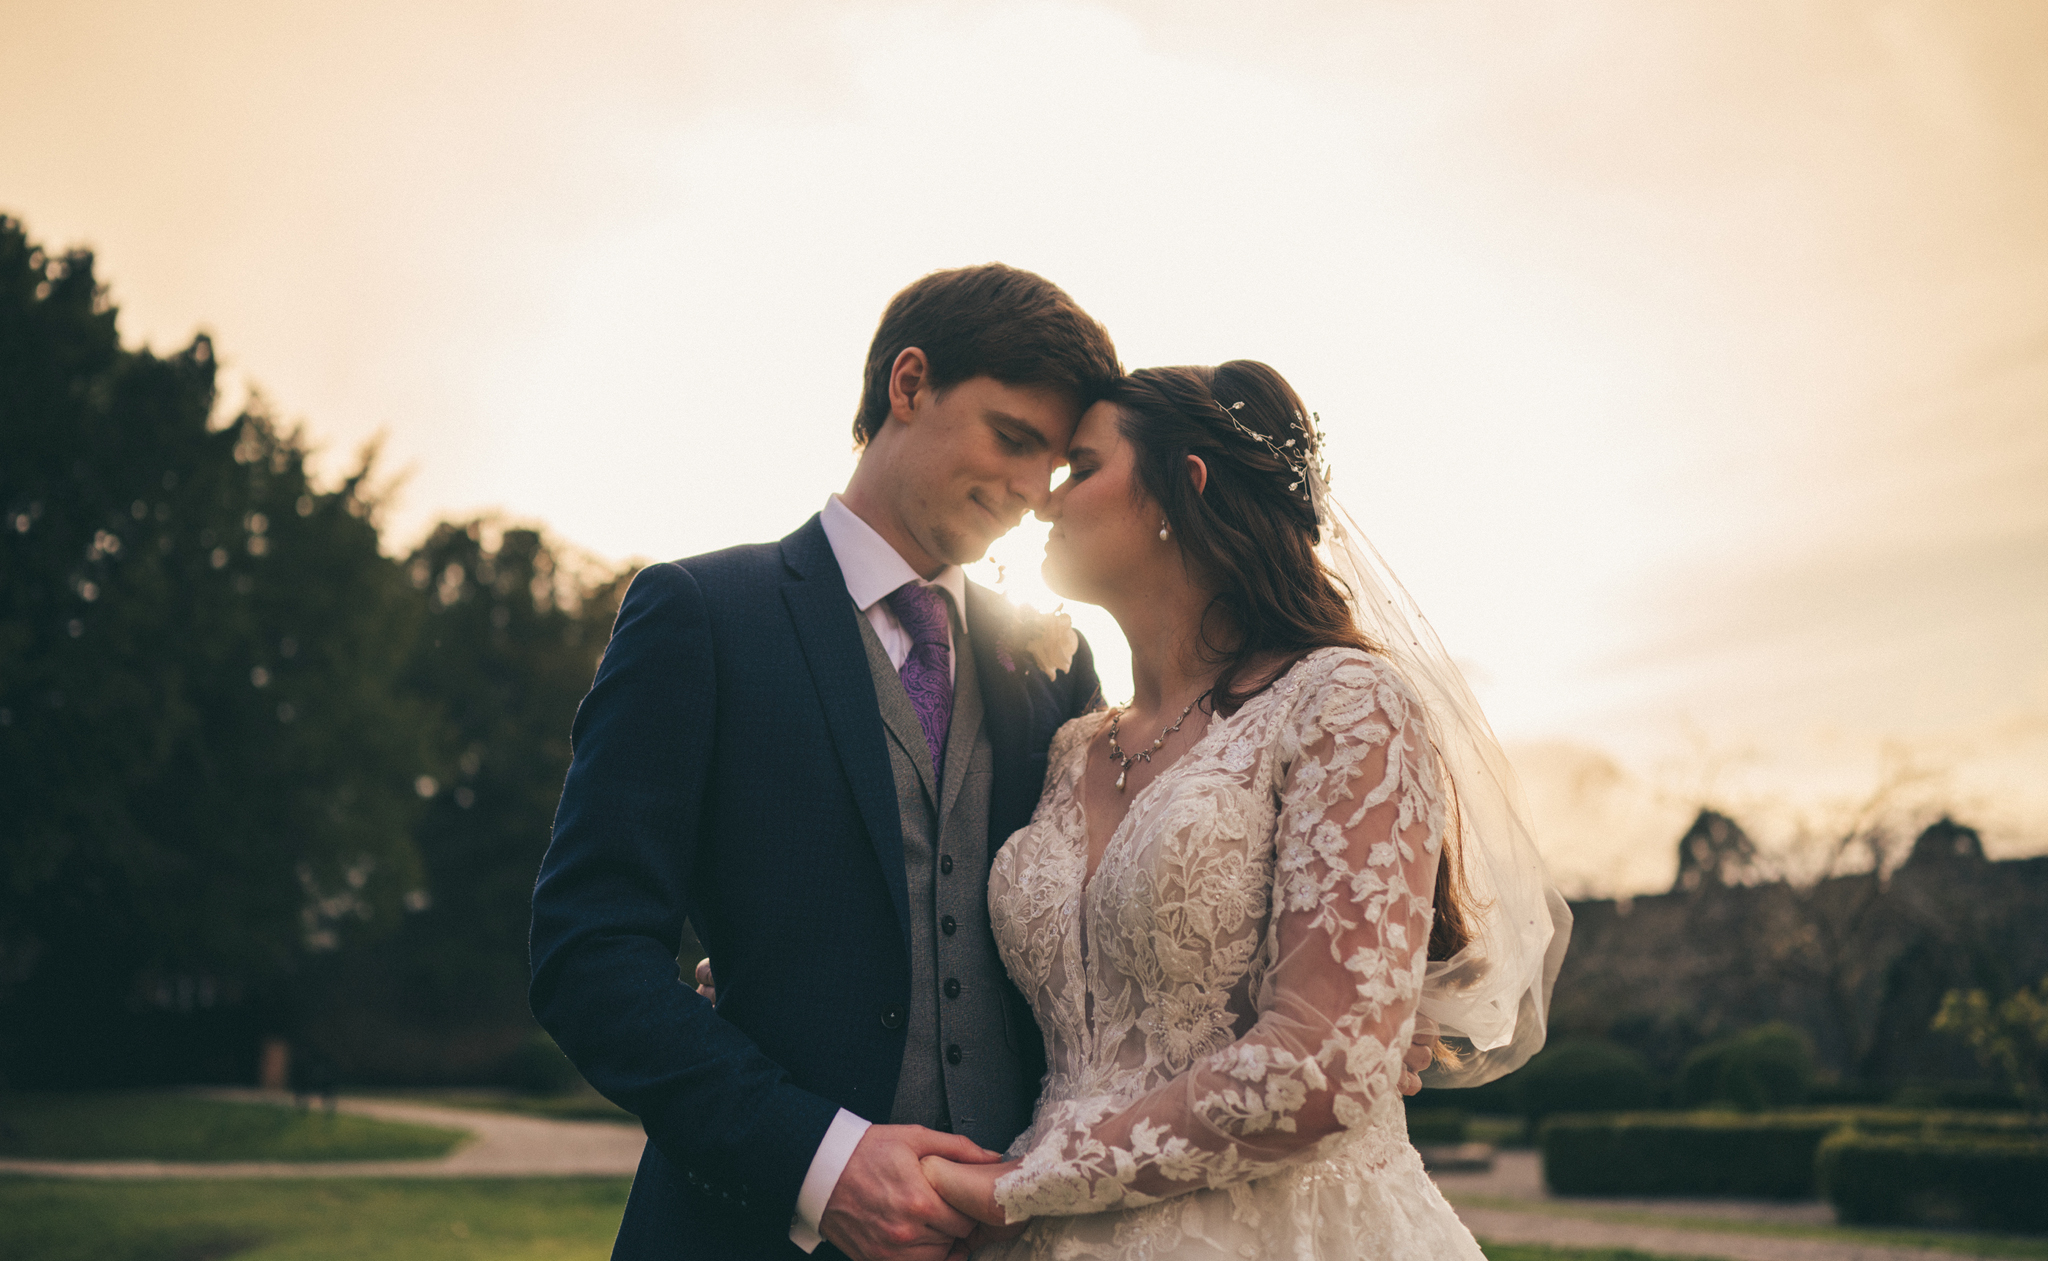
(1045, 640)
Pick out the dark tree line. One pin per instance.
(257, 777)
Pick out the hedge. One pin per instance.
(1763, 1156)
(1985, 1182)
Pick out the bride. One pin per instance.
(1240, 891)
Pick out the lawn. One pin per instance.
(173, 1127)
(1537, 1252)
(342, 1219)
(329, 1219)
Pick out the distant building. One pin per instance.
(1860, 961)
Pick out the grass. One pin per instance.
(1537, 1252)
(175, 1127)
(2022, 1247)
(552, 1219)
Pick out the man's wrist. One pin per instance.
(834, 1150)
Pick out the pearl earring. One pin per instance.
(1162, 531)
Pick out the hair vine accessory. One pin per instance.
(1300, 455)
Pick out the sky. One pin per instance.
(1688, 361)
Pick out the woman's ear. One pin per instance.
(1198, 472)
(906, 377)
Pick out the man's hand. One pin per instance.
(884, 1210)
(972, 1190)
(1421, 1050)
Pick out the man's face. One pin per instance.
(981, 454)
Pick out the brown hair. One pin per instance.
(993, 321)
(1250, 534)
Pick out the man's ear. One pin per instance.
(1198, 472)
(909, 374)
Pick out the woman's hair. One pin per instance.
(1249, 534)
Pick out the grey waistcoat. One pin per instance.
(960, 1072)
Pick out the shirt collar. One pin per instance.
(872, 567)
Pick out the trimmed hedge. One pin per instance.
(1771, 1155)
(1985, 1182)
(1762, 1156)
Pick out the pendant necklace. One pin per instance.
(1125, 761)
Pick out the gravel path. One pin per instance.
(500, 1146)
(1498, 1226)
(1487, 1203)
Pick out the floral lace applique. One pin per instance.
(1228, 996)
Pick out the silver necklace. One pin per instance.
(1125, 761)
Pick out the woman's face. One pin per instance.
(1105, 528)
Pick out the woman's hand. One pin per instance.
(970, 1189)
(1420, 1053)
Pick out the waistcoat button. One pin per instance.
(945, 864)
(952, 987)
(892, 1017)
(953, 1054)
(947, 925)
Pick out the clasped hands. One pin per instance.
(913, 1194)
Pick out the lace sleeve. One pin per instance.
(1359, 829)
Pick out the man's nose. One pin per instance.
(1048, 509)
(1034, 488)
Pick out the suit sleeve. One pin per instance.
(609, 908)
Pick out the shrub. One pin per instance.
(538, 1067)
(1770, 1066)
(1662, 1153)
(1584, 1075)
(1429, 1126)
(1981, 1181)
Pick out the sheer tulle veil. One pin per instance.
(1490, 1000)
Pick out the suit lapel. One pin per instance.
(826, 628)
(1006, 705)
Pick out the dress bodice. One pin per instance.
(1228, 995)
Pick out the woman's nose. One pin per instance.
(1048, 508)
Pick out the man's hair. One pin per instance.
(987, 321)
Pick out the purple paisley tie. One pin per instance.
(928, 671)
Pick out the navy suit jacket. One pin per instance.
(730, 767)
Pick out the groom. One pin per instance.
(812, 749)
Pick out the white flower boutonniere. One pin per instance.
(1046, 640)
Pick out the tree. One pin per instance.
(513, 627)
(2010, 1038)
(201, 700)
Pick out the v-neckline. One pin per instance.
(1089, 873)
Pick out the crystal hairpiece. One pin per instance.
(1299, 455)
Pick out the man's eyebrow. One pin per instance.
(1030, 435)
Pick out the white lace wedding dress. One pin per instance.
(1226, 1000)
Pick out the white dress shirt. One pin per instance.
(872, 569)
